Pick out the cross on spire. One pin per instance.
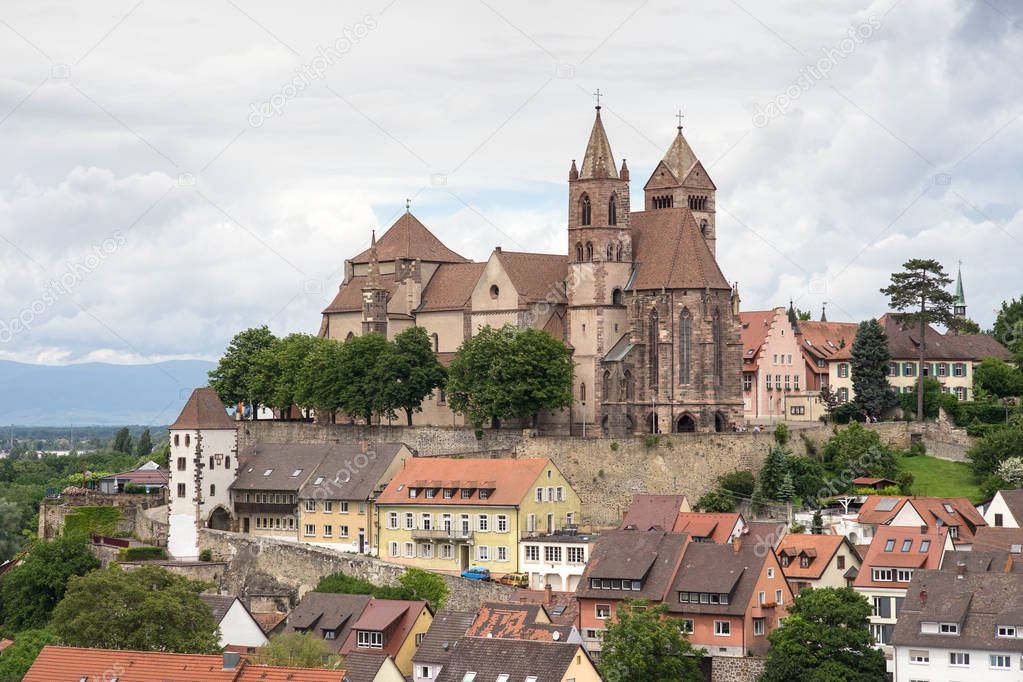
(597, 94)
(408, 205)
(680, 116)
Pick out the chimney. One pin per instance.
(736, 544)
(960, 570)
(231, 659)
(497, 249)
(548, 593)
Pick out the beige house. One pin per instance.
(817, 561)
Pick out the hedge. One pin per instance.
(93, 521)
(142, 553)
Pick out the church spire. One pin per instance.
(680, 157)
(598, 162)
(959, 305)
(824, 314)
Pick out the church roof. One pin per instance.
(536, 276)
(204, 410)
(598, 162)
(670, 252)
(409, 238)
(349, 296)
(680, 157)
(451, 286)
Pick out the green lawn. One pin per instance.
(934, 477)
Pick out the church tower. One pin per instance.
(374, 295)
(680, 180)
(959, 306)
(600, 262)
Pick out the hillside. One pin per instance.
(97, 393)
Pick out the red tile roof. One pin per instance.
(393, 616)
(821, 548)
(654, 511)
(536, 276)
(268, 622)
(877, 555)
(516, 621)
(349, 295)
(717, 527)
(409, 238)
(670, 252)
(509, 480)
(451, 286)
(890, 506)
(204, 411)
(756, 324)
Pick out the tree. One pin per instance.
(920, 293)
(829, 399)
(858, 451)
(473, 386)
(321, 378)
(17, 659)
(968, 326)
(817, 524)
(787, 490)
(275, 372)
(1011, 471)
(772, 475)
(870, 361)
(411, 371)
(807, 476)
(32, 589)
(231, 375)
(996, 446)
(147, 609)
(998, 378)
(825, 637)
(1008, 328)
(739, 482)
(803, 315)
(362, 393)
(932, 398)
(429, 587)
(296, 650)
(644, 644)
(13, 517)
(781, 434)
(122, 441)
(144, 446)
(718, 500)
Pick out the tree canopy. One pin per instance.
(231, 375)
(146, 609)
(996, 446)
(870, 361)
(296, 650)
(144, 445)
(122, 441)
(859, 450)
(644, 644)
(825, 637)
(410, 371)
(998, 378)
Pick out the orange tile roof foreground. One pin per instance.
(716, 526)
(821, 547)
(511, 480)
(913, 557)
(72, 664)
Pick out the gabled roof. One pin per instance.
(277, 466)
(997, 538)
(670, 252)
(904, 343)
(821, 548)
(517, 621)
(322, 610)
(509, 480)
(994, 561)
(828, 340)
(598, 161)
(219, 604)
(447, 628)
(393, 616)
(349, 295)
(708, 567)
(963, 514)
(517, 658)
(535, 276)
(877, 509)
(756, 325)
(924, 551)
(409, 238)
(654, 555)
(451, 286)
(717, 527)
(647, 512)
(363, 666)
(204, 410)
(338, 476)
(141, 477)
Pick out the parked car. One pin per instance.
(514, 579)
(476, 573)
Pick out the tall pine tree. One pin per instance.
(870, 359)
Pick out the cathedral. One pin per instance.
(652, 322)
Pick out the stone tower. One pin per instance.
(600, 257)
(680, 180)
(374, 296)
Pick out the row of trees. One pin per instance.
(497, 374)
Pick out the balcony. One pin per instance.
(453, 535)
(264, 508)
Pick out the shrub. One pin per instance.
(206, 555)
(651, 439)
(614, 446)
(142, 553)
(92, 521)
(715, 501)
(781, 434)
(740, 482)
(847, 412)
(797, 529)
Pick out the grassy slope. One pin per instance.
(934, 477)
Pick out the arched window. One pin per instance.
(719, 353)
(653, 338)
(630, 388)
(589, 251)
(582, 393)
(436, 342)
(612, 210)
(610, 250)
(616, 297)
(605, 385)
(584, 210)
(579, 252)
(351, 335)
(703, 227)
(685, 346)
(618, 252)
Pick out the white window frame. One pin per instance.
(482, 553)
(501, 523)
(370, 639)
(483, 523)
(393, 549)
(722, 628)
(393, 520)
(310, 530)
(310, 506)
(602, 611)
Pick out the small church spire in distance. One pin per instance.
(598, 94)
(408, 205)
(824, 314)
(680, 116)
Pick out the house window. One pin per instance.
(431, 493)
(410, 521)
(181, 464)
(840, 561)
(603, 611)
(426, 521)
(843, 370)
(960, 658)
(903, 575)
(483, 523)
(893, 369)
(532, 553)
(328, 507)
(577, 555)
(959, 369)
(589, 251)
(1001, 661)
(502, 523)
(370, 639)
(552, 555)
(768, 376)
(584, 210)
(882, 575)
(310, 530)
(722, 628)
(447, 551)
(686, 626)
(1006, 631)
(919, 656)
(176, 442)
(949, 628)
(392, 549)
(719, 348)
(328, 531)
(410, 550)
(426, 550)
(685, 346)
(539, 494)
(747, 382)
(181, 489)
(531, 523)
(612, 210)
(466, 493)
(653, 337)
(582, 392)
(392, 520)
(502, 553)
(909, 369)
(758, 627)
(213, 489)
(342, 531)
(999, 520)
(482, 552)
(777, 597)
(310, 505)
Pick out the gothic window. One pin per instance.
(685, 346)
(579, 251)
(605, 385)
(584, 209)
(630, 387)
(618, 252)
(610, 250)
(582, 393)
(589, 251)
(612, 210)
(436, 343)
(652, 341)
(616, 297)
(351, 335)
(718, 348)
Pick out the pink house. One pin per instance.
(772, 363)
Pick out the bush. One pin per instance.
(847, 412)
(206, 555)
(614, 446)
(142, 553)
(781, 434)
(739, 482)
(90, 521)
(651, 439)
(715, 501)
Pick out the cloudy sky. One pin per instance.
(173, 172)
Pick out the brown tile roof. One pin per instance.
(598, 161)
(447, 628)
(670, 252)
(755, 326)
(904, 343)
(277, 466)
(889, 506)
(978, 602)
(349, 295)
(536, 276)
(345, 472)
(648, 512)
(650, 556)
(680, 157)
(409, 238)
(980, 346)
(708, 567)
(765, 532)
(393, 616)
(320, 611)
(518, 658)
(877, 555)
(821, 549)
(72, 664)
(451, 286)
(828, 340)
(204, 411)
(268, 622)
(717, 527)
(510, 480)
(995, 538)
(562, 607)
(963, 515)
(517, 621)
(141, 476)
(994, 561)
(219, 604)
(363, 666)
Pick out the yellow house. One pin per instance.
(446, 514)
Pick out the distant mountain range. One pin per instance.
(97, 393)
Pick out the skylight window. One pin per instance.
(296, 472)
(886, 504)
(906, 544)
(268, 472)
(889, 545)
(925, 545)
(949, 508)
(469, 676)
(319, 480)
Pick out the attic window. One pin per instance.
(949, 508)
(469, 676)
(494, 291)
(925, 545)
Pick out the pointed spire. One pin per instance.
(598, 162)
(573, 172)
(680, 157)
(624, 172)
(373, 275)
(960, 301)
(793, 317)
(824, 314)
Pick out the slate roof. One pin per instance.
(517, 658)
(536, 276)
(447, 629)
(343, 478)
(1014, 501)
(648, 512)
(363, 666)
(219, 604)
(995, 538)
(995, 561)
(204, 410)
(409, 238)
(321, 610)
(273, 466)
(510, 480)
(979, 602)
(451, 286)
(670, 252)
(708, 567)
(653, 556)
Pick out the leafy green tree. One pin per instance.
(537, 374)
(296, 650)
(932, 398)
(739, 482)
(772, 475)
(781, 434)
(17, 659)
(144, 445)
(122, 441)
(13, 517)
(825, 637)
(1008, 328)
(998, 378)
(411, 371)
(147, 609)
(32, 589)
(429, 587)
(321, 379)
(363, 393)
(162, 456)
(717, 500)
(275, 372)
(829, 399)
(644, 644)
(808, 476)
(870, 360)
(920, 294)
(996, 446)
(230, 378)
(1011, 471)
(969, 326)
(474, 387)
(858, 450)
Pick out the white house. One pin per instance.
(1005, 510)
(239, 631)
(558, 560)
(203, 465)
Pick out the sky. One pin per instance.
(172, 173)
